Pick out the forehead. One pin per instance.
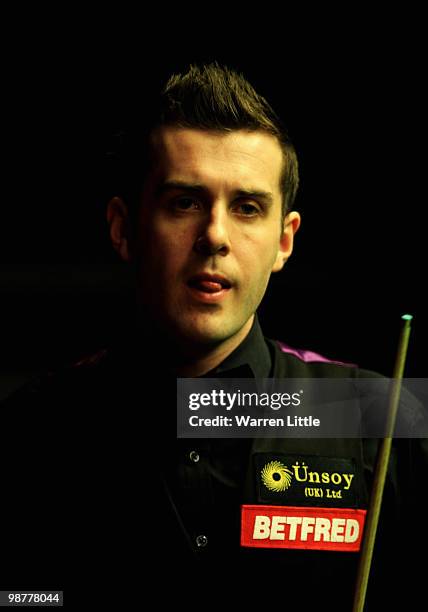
(239, 157)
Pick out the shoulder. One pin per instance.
(371, 388)
(79, 374)
(292, 362)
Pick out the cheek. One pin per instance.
(167, 249)
(258, 256)
(156, 234)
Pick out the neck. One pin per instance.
(191, 364)
(190, 361)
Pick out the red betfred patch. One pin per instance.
(336, 529)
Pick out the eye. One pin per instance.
(185, 204)
(246, 209)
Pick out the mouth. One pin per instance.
(210, 283)
(209, 287)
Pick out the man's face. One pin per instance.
(209, 231)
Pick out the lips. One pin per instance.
(209, 283)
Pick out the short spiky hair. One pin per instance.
(208, 97)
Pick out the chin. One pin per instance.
(201, 337)
(205, 333)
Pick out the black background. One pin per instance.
(350, 93)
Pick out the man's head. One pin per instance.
(208, 97)
(211, 218)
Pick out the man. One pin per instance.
(213, 217)
(202, 211)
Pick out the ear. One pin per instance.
(291, 225)
(118, 220)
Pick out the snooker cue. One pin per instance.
(380, 470)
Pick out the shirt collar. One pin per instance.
(250, 359)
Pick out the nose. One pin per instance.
(213, 238)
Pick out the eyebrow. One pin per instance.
(198, 188)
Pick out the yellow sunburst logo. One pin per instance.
(276, 476)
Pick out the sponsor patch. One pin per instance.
(335, 529)
(308, 480)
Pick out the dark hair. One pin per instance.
(209, 97)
